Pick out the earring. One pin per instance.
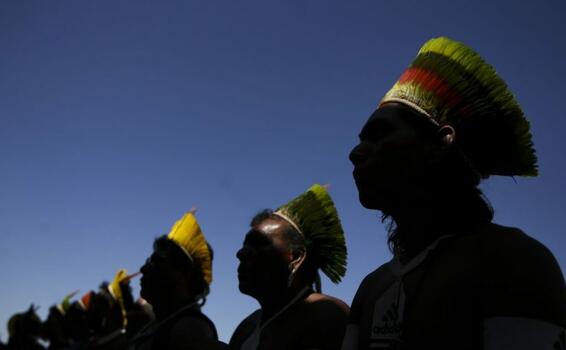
(291, 278)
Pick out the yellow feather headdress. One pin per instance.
(187, 234)
(116, 292)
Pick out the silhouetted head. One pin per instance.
(403, 155)
(127, 294)
(170, 273)
(405, 163)
(139, 315)
(76, 322)
(24, 327)
(104, 312)
(271, 250)
(53, 328)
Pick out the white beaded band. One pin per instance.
(410, 105)
(291, 222)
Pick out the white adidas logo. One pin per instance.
(388, 317)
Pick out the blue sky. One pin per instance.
(118, 116)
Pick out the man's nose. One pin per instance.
(357, 155)
(144, 267)
(242, 253)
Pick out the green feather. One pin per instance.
(316, 216)
(462, 90)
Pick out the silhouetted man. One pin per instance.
(175, 281)
(108, 313)
(456, 280)
(54, 329)
(24, 330)
(279, 264)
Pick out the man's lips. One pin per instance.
(243, 272)
(360, 175)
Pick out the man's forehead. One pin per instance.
(161, 253)
(392, 114)
(389, 112)
(380, 117)
(268, 228)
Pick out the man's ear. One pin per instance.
(447, 135)
(298, 260)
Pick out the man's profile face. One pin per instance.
(264, 259)
(160, 276)
(391, 157)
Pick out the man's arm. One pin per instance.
(524, 295)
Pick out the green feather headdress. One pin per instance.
(314, 215)
(451, 84)
(65, 304)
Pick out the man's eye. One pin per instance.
(157, 260)
(376, 131)
(251, 244)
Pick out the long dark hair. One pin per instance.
(452, 190)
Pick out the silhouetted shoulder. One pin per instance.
(322, 319)
(376, 275)
(244, 330)
(371, 285)
(322, 302)
(208, 344)
(329, 312)
(522, 277)
(190, 329)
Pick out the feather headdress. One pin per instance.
(65, 304)
(84, 301)
(451, 84)
(116, 292)
(186, 233)
(314, 215)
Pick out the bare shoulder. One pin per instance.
(326, 302)
(324, 319)
(324, 308)
(244, 329)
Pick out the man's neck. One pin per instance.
(419, 222)
(275, 302)
(165, 308)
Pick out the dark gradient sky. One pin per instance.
(118, 116)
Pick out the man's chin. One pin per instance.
(249, 289)
(146, 295)
(245, 290)
(371, 201)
